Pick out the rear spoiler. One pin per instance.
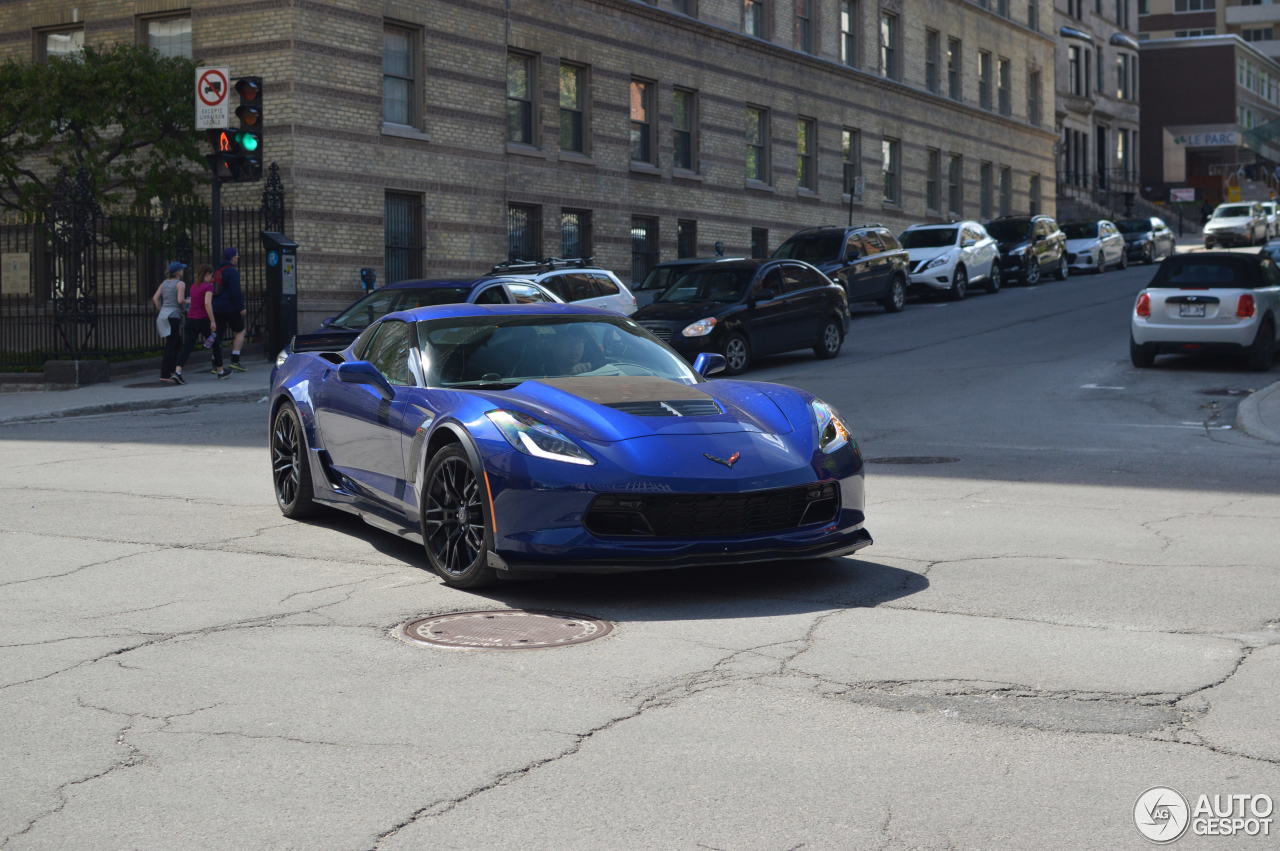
(331, 340)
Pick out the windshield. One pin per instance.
(813, 248)
(1209, 272)
(724, 286)
(1231, 212)
(661, 277)
(1080, 230)
(1014, 230)
(929, 238)
(1134, 225)
(376, 305)
(498, 352)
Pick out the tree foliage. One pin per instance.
(123, 114)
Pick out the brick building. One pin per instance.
(441, 136)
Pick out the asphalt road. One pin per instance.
(1078, 598)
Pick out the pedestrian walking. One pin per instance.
(228, 303)
(169, 299)
(200, 326)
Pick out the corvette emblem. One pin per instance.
(728, 462)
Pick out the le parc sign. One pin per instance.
(1208, 139)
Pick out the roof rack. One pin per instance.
(546, 264)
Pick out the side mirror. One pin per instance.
(854, 254)
(969, 243)
(327, 321)
(709, 363)
(363, 372)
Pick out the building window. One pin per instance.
(890, 154)
(1143, 7)
(520, 89)
(933, 180)
(1002, 8)
(1194, 33)
(955, 185)
(575, 233)
(1033, 195)
(806, 154)
(753, 18)
(398, 75)
(889, 46)
(686, 7)
(1100, 77)
(402, 223)
(1122, 153)
(1257, 34)
(1073, 70)
(1033, 14)
(168, 36)
(684, 125)
(1004, 86)
(955, 83)
(642, 122)
(804, 25)
(932, 58)
(686, 238)
(759, 242)
(644, 246)
(986, 191)
(851, 155)
(757, 144)
(849, 32)
(1193, 5)
(1033, 97)
(984, 79)
(1124, 89)
(573, 96)
(524, 232)
(1006, 191)
(66, 42)
(1122, 14)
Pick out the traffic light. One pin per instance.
(224, 162)
(247, 138)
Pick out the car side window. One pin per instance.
(558, 284)
(527, 294)
(604, 284)
(791, 278)
(574, 286)
(1270, 274)
(493, 294)
(872, 241)
(810, 277)
(853, 247)
(768, 285)
(390, 352)
(361, 345)
(888, 240)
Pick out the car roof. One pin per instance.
(462, 311)
(816, 229)
(936, 225)
(698, 261)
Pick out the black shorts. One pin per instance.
(233, 321)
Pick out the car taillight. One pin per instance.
(1143, 307)
(1245, 307)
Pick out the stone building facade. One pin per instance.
(437, 137)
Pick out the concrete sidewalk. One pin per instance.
(134, 393)
(1259, 414)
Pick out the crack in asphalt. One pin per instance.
(154, 549)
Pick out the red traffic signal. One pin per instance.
(248, 88)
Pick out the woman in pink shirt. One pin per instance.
(200, 322)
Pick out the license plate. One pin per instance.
(1191, 310)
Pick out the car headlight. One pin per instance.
(832, 432)
(940, 260)
(536, 438)
(701, 328)
(283, 356)
(1019, 251)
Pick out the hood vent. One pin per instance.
(673, 408)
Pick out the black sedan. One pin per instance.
(1147, 239)
(746, 308)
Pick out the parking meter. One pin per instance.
(281, 300)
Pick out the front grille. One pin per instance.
(662, 332)
(712, 515)
(673, 408)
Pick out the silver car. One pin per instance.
(1209, 301)
(573, 282)
(947, 259)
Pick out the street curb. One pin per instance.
(138, 405)
(1249, 415)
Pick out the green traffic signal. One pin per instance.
(248, 142)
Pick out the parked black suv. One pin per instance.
(865, 259)
(1030, 247)
(745, 308)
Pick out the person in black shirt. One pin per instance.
(228, 302)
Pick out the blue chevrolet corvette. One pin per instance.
(551, 438)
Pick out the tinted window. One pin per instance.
(1009, 230)
(390, 350)
(604, 285)
(871, 240)
(769, 282)
(661, 277)
(1211, 272)
(527, 294)
(791, 280)
(572, 287)
(929, 238)
(492, 295)
(810, 277)
(1236, 210)
(1080, 230)
(710, 283)
(888, 240)
(1135, 225)
(821, 247)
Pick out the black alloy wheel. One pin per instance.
(1124, 260)
(456, 528)
(896, 300)
(1031, 275)
(959, 285)
(737, 354)
(829, 341)
(290, 470)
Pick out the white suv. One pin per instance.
(948, 258)
(1208, 301)
(574, 282)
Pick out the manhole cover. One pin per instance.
(1225, 391)
(506, 629)
(914, 459)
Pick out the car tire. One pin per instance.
(1123, 262)
(1262, 352)
(1148, 254)
(290, 466)
(896, 300)
(829, 340)
(457, 548)
(1063, 270)
(1099, 265)
(737, 354)
(994, 279)
(1031, 274)
(959, 285)
(1141, 355)
(1208, 246)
